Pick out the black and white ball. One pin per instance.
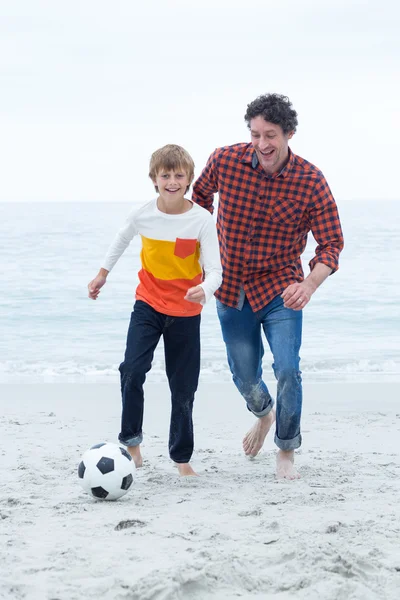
(106, 471)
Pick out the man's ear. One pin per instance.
(290, 135)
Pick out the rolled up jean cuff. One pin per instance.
(292, 444)
(133, 441)
(265, 411)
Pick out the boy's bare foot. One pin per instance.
(254, 439)
(185, 470)
(285, 468)
(134, 451)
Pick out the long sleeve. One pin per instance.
(206, 185)
(120, 242)
(325, 227)
(210, 258)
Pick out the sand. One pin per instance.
(234, 532)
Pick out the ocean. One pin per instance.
(51, 331)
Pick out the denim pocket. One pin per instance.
(221, 308)
(184, 247)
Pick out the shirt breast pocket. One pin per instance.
(286, 212)
(184, 247)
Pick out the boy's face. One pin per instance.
(172, 185)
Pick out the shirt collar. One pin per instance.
(250, 156)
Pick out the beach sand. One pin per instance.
(234, 532)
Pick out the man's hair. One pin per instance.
(171, 158)
(274, 108)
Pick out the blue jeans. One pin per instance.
(241, 330)
(182, 362)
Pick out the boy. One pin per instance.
(179, 243)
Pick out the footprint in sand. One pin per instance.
(129, 523)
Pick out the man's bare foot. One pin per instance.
(254, 439)
(185, 470)
(134, 451)
(285, 468)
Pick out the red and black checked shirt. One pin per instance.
(263, 222)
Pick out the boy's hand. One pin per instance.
(95, 285)
(195, 294)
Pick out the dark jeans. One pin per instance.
(182, 362)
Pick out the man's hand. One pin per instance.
(95, 285)
(195, 294)
(297, 295)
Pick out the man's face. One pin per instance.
(270, 144)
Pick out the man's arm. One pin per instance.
(325, 227)
(327, 231)
(297, 295)
(206, 185)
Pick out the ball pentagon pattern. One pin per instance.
(106, 471)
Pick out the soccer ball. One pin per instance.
(106, 471)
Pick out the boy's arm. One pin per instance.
(206, 185)
(120, 243)
(97, 283)
(210, 259)
(114, 252)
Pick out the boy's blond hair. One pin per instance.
(171, 158)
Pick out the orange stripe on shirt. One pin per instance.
(167, 296)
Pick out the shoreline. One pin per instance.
(334, 395)
(206, 378)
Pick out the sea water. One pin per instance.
(51, 331)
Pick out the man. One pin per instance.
(269, 200)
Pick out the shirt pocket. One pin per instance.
(184, 247)
(286, 212)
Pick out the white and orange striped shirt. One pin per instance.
(178, 252)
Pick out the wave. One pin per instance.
(211, 371)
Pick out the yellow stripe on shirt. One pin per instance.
(159, 258)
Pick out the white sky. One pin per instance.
(90, 88)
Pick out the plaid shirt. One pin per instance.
(263, 222)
